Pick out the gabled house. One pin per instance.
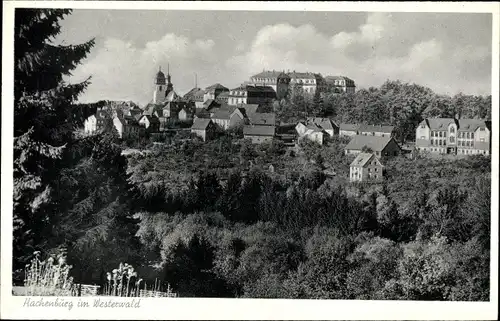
(185, 114)
(228, 117)
(366, 167)
(213, 91)
(375, 130)
(348, 129)
(204, 128)
(150, 123)
(311, 132)
(127, 126)
(326, 124)
(380, 146)
(258, 134)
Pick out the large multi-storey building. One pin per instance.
(308, 81)
(339, 84)
(454, 136)
(277, 80)
(251, 94)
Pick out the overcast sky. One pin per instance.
(449, 53)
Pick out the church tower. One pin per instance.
(160, 87)
(170, 86)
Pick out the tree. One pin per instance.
(45, 116)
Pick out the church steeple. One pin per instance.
(170, 86)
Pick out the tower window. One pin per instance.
(160, 87)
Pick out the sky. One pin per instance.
(447, 52)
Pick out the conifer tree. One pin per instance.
(45, 116)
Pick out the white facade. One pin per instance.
(90, 125)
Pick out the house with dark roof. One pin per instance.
(150, 123)
(204, 128)
(258, 134)
(128, 126)
(326, 124)
(339, 84)
(223, 97)
(376, 130)
(251, 94)
(366, 167)
(228, 117)
(277, 80)
(454, 136)
(311, 131)
(380, 146)
(348, 129)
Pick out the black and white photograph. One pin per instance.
(249, 154)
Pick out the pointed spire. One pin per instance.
(168, 69)
(159, 68)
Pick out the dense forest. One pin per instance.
(227, 218)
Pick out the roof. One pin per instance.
(302, 75)
(160, 74)
(222, 114)
(439, 123)
(249, 108)
(171, 96)
(268, 74)
(262, 118)
(214, 87)
(254, 88)
(376, 128)
(257, 130)
(333, 78)
(194, 93)
(471, 124)
(201, 123)
(313, 127)
(150, 118)
(325, 123)
(349, 127)
(375, 143)
(209, 103)
(362, 159)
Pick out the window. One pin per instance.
(452, 130)
(444, 142)
(422, 126)
(452, 139)
(440, 142)
(440, 134)
(468, 135)
(432, 134)
(472, 135)
(444, 134)
(369, 170)
(376, 169)
(481, 129)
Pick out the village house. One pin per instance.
(311, 132)
(251, 94)
(454, 136)
(150, 123)
(326, 124)
(348, 129)
(258, 134)
(228, 117)
(380, 146)
(204, 128)
(366, 167)
(375, 130)
(185, 114)
(127, 126)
